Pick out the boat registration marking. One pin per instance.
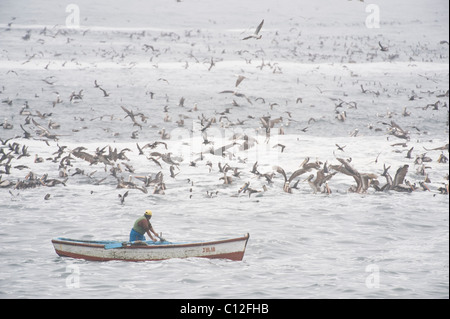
(209, 249)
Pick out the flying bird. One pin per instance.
(105, 94)
(256, 35)
(383, 48)
(340, 148)
(280, 145)
(240, 79)
(122, 197)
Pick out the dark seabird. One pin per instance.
(38, 159)
(181, 102)
(340, 148)
(408, 155)
(239, 80)
(164, 134)
(220, 151)
(424, 186)
(282, 147)
(244, 187)
(165, 157)
(399, 179)
(383, 48)
(155, 161)
(442, 159)
(155, 144)
(172, 171)
(212, 63)
(397, 131)
(286, 186)
(321, 179)
(26, 134)
(443, 148)
(159, 190)
(139, 149)
(251, 191)
(132, 116)
(363, 181)
(105, 94)
(74, 97)
(255, 168)
(6, 125)
(226, 179)
(443, 189)
(122, 197)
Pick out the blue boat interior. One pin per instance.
(114, 243)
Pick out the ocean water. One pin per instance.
(313, 63)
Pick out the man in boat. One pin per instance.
(141, 226)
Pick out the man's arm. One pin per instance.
(150, 235)
(148, 227)
(153, 231)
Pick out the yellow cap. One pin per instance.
(148, 213)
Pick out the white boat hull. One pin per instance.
(233, 249)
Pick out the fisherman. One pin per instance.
(141, 226)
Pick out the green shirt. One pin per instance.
(138, 225)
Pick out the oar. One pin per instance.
(161, 238)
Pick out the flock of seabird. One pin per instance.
(119, 169)
(116, 162)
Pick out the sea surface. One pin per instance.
(318, 71)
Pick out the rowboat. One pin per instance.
(233, 249)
